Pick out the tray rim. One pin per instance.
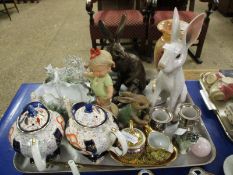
(110, 168)
(216, 111)
(172, 158)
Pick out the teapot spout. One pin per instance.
(68, 107)
(39, 161)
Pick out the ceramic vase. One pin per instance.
(165, 28)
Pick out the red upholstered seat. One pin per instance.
(112, 17)
(134, 28)
(110, 12)
(154, 33)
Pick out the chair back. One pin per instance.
(119, 4)
(110, 12)
(170, 5)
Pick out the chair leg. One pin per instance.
(102, 43)
(143, 46)
(148, 49)
(200, 46)
(194, 57)
(94, 45)
(6, 9)
(16, 6)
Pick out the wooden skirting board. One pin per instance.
(191, 74)
(25, 1)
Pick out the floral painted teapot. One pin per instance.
(92, 131)
(37, 133)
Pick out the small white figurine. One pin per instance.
(170, 81)
(66, 82)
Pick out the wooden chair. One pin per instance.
(110, 11)
(186, 14)
(6, 9)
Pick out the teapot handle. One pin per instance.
(122, 141)
(38, 159)
(146, 172)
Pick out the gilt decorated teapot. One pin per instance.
(92, 130)
(37, 133)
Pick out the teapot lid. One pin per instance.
(34, 117)
(89, 115)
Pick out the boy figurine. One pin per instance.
(101, 83)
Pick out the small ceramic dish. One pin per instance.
(158, 140)
(228, 165)
(160, 117)
(189, 115)
(136, 142)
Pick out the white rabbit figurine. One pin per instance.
(170, 81)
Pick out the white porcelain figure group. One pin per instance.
(170, 81)
(52, 93)
(91, 129)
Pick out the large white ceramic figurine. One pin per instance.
(170, 81)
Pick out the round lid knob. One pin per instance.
(31, 111)
(34, 117)
(89, 115)
(88, 108)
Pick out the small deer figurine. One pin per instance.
(129, 68)
(170, 81)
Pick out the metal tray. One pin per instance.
(218, 107)
(59, 164)
(143, 161)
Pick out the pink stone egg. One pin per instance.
(202, 148)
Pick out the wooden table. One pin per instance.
(222, 143)
(27, 1)
(194, 74)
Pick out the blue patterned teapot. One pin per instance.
(92, 130)
(37, 133)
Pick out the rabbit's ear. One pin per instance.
(124, 99)
(105, 31)
(193, 30)
(121, 26)
(126, 94)
(141, 105)
(175, 26)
